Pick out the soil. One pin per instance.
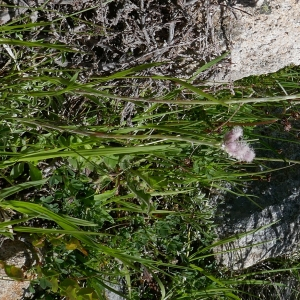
(115, 35)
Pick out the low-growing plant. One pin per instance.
(116, 201)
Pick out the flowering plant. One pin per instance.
(236, 147)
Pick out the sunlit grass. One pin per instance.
(124, 203)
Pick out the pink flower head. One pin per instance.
(233, 134)
(249, 155)
(237, 148)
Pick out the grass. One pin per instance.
(120, 201)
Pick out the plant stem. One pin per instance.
(125, 136)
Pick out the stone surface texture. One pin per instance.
(263, 37)
(275, 200)
(280, 239)
(14, 253)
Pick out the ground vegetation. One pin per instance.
(112, 145)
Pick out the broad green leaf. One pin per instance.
(54, 284)
(63, 141)
(14, 272)
(69, 288)
(104, 196)
(87, 294)
(74, 244)
(44, 283)
(140, 194)
(55, 179)
(34, 172)
(111, 161)
(76, 184)
(17, 170)
(154, 182)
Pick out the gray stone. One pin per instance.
(113, 296)
(275, 200)
(15, 253)
(262, 36)
(280, 239)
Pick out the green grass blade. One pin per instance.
(55, 230)
(94, 152)
(215, 280)
(207, 66)
(35, 44)
(6, 192)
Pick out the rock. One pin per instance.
(274, 200)
(113, 296)
(280, 239)
(15, 253)
(257, 34)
